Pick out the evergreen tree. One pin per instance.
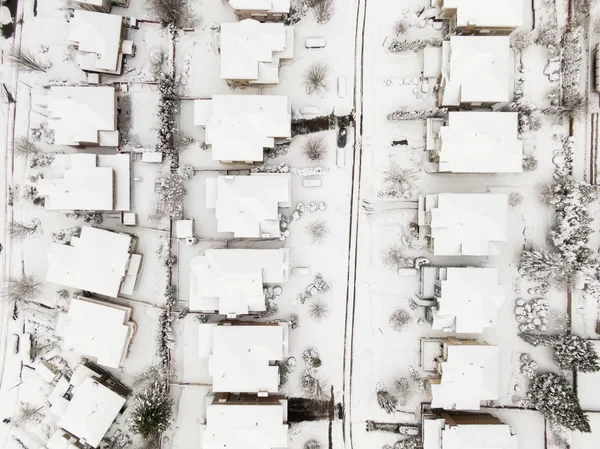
(151, 414)
(538, 339)
(552, 395)
(574, 352)
(386, 400)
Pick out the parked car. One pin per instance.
(341, 86)
(25, 348)
(13, 343)
(342, 137)
(315, 42)
(411, 431)
(309, 110)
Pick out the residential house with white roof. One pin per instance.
(467, 298)
(467, 372)
(242, 356)
(453, 430)
(82, 115)
(98, 39)
(245, 422)
(482, 17)
(239, 127)
(464, 224)
(248, 206)
(476, 142)
(251, 51)
(97, 329)
(87, 405)
(90, 182)
(230, 281)
(475, 71)
(97, 261)
(261, 10)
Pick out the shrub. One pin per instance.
(317, 230)
(530, 163)
(386, 401)
(393, 258)
(400, 320)
(24, 60)
(401, 180)
(315, 78)
(22, 289)
(185, 172)
(521, 40)
(318, 310)
(315, 148)
(400, 27)
(323, 9)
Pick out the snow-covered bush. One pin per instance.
(318, 230)
(422, 383)
(532, 315)
(185, 172)
(318, 310)
(167, 106)
(310, 356)
(400, 320)
(409, 443)
(156, 58)
(323, 10)
(530, 163)
(313, 385)
(151, 412)
(315, 78)
(398, 46)
(552, 395)
(399, 181)
(21, 231)
(294, 321)
(417, 115)
(515, 199)
(521, 40)
(570, 352)
(571, 60)
(41, 160)
(386, 401)
(404, 390)
(171, 195)
(400, 27)
(286, 367)
(548, 36)
(527, 366)
(312, 444)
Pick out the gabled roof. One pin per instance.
(246, 426)
(487, 13)
(240, 127)
(231, 280)
(240, 356)
(91, 411)
(469, 224)
(272, 6)
(481, 142)
(469, 376)
(96, 261)
(248, 206)
(98, 329)
(469, 302)
(439, 435)
(98, 39)
(475, 69)
(83, 115)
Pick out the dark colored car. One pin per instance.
(342, 137)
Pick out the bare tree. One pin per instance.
(313, 385)
(315, 148)
(29, 414)
(25, 60)
(318, 310)
(402, 180)
(393, 258)
(25, 147)
(24, 288)
(315, 78)
(318, 230)
(400, 27)
(400, 320)
(20, 231)
(167, 11)
(323, 9)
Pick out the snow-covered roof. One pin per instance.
(245, 426)
(97, 37)
(88, 182)
(475, 69)
(487, 13)
(251, 50)
(481, 142)
(466, 224)
(92, 410)
(470, 299)
(240, 356)
(272, 6)
(439, 435)
(470, 375)
(248, 206)
(231, 280)
(97, 261)
(240, 127)
(98, 329)
(83, 115)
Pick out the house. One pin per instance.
(475, 142)
(97, 329)
(482, 17)
(87, 405)
(242, 357)
(97, 261)
(464, 224)
(90, 182)
(240, 127)
(456, 430)
(251, 51)
(261, 10)
(230, 281)
(95, 5)
(467, 372)
(245, 422)
(98, 39)
(475, 71)
(82, 116)
(467, 298)
(248, 206)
